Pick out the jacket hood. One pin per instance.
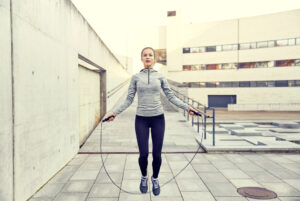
(146, 70)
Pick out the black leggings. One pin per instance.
(157, 125)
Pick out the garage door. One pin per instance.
(221, 100)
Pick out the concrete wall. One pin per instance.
(89, 101)
(6, 133)
(47, 38)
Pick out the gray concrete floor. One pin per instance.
(210, 177)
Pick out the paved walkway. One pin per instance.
(210, 177)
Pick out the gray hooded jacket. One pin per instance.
(147, 83)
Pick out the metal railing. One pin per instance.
(203, 110)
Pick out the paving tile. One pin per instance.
(283, 173)
(191, 185)
(102, 199)
(71, 197)
(289, 198)
(295, 183)
(49, 190)
(231, 199)
(212, 177)
(170, 189)
(234, 174)
(64, 175)
(133, 186)
(205, 168)
(244, 183)
(198, 196)
(281, 189)
(104, 190)
(130, 197)
(85, 175)
(164, 198)
(263, 176)
(274, 199)
(78, 186)
(188, 175)
(222, 189)
(103, 177)
(41, 199)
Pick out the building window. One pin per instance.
(282, 42)
(297, 62)
(210, 49)
(291, 41)
(225, 84)
(235, 47)
(270, 63)
(263, 44)
(247, 65)
(194, 67)
(297, 41)
(261, 64)
(282, 83)
(253, 45)
(271, 83)
(161, 56)
(202, 84)
(186, 50)
(229, 66)
(213, 66)
(285, 63)
(195, 49)
(202, 67)
(171, 13)
(244, 84)
(219, 48)
(244, 46)
(186, 67)
(297, 83)
(271, 43)
(261, 83)
(227, 47)
(210, 84)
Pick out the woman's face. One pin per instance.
(148, 58)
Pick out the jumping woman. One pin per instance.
(149, 114)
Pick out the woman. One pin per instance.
(147, 83)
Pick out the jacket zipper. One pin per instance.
(148, 75)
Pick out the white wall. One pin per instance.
(263, 95)
(47, 38)
(255, 74)
(270, 27)
(174, 38)
(6, 134)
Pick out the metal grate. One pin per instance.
(256, 193)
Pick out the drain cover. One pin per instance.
(256, 193)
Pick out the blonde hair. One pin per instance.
(150, 49)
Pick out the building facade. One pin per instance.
(244, 64)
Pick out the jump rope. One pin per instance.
(139, 193)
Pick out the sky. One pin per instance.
(117, 20)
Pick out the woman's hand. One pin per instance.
(190, 111)
(111, 118)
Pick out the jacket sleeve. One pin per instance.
(170, 95)
(130, 97)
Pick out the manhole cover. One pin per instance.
(256, 192)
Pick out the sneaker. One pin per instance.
(144, 185)
(155, 187)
